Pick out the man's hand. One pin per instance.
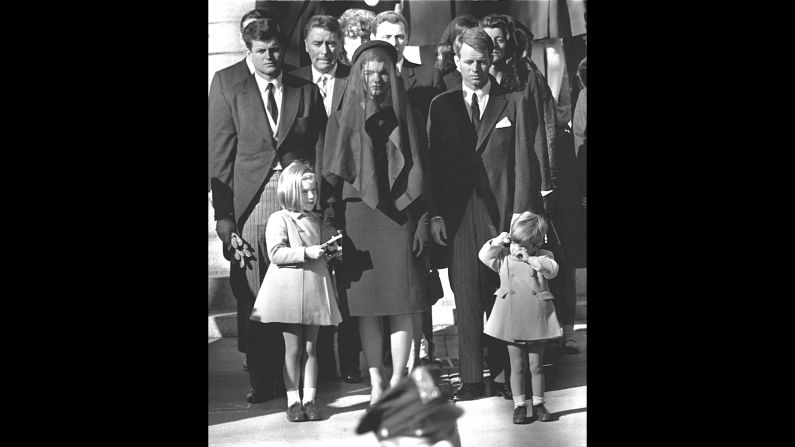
(225, 227)
(439, 231)
(421, 241)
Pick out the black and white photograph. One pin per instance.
(397, 223)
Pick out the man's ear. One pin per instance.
(456, 59)
(306, 46)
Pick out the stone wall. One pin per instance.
(223, 34)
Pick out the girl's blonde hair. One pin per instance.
(288, 191)
(528, 228)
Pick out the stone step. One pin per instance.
(219, 293)
(222, 323)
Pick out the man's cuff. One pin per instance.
(436, 218)
(543, 193)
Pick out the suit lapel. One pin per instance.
(339, 88)
(253, 103)
(289, 110)
(494, 108)
(407, 73)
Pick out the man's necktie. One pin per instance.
(322, 84)
(475, 110)
(272, 109)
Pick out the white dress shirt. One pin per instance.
(250, 65)
(278, 93)
(316, 78)
(483, 96)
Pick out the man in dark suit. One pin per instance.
(222, 81)
(229, 76)
(262, 124)
(323, 41)
(421, 81)
(484, 172)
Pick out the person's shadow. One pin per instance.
(557, 415)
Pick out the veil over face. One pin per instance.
(375, 122)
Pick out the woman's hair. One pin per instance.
(502, 22)
(288, 191)
(512, 66)
(528, 228)
(356, 22)
(444, 49)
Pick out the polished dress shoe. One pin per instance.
(352, 378)
(501, 389)
(296, 413)
(541, 412)
(470, 391)
(520, 415)
(311, 411)
(258, 395)
(570, 347)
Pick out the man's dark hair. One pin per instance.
(475, 38)
(255, 14)
(328, 23)
(261, 30)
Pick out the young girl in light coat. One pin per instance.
(524, 314)
(297, 289)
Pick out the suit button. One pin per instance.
(534, 292)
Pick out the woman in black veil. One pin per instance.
(373, 161)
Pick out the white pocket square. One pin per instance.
(503, 123)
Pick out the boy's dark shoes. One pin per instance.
(312, 412)
(258, 395)
(470, 391)
(295, 413)
(541, 412)
(520, 415)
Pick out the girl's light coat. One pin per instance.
(295, 289)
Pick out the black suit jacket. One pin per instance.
(422, 83)
(243, 148)
(497, 163)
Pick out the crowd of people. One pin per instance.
(463, 161)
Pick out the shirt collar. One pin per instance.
(299, 214)
(263, 84)
(482, 93)
(399, 64)
(316, 74)
(250, 65)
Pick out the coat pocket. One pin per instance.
(545, 295)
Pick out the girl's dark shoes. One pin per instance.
(311, 411)
(296, 413)
(520, 415)
(541, 412)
